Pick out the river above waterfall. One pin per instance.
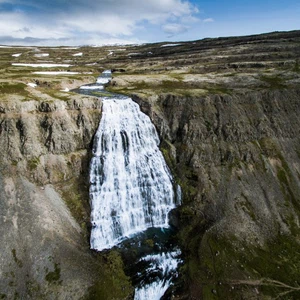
(132, 193)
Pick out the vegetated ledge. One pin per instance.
(237, 159)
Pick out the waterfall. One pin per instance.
(132, 190)
(131, 186)
(163, 268)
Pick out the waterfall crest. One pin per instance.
(131, 186)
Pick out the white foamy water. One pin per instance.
(91, 87)
(164, 265)
(103, 80)
(131, 186)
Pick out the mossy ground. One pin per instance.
(75, 193)
(112, 282)
(33, 163)
(16, 259)
(226, 271)
(54, 276)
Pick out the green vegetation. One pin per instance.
(274, 82)
(100, 94)
(13, 88)
(33, 163)
(75, 193)
(229, 267)
(54, 276)
(17, 261)
(297, 67)
(112, 282)
(219, 90)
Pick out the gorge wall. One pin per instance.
(237, 158)
(227, 111)
(45, 215)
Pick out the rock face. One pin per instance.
(227, 113)
(237, 158)
(44, 199)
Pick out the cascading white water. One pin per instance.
(131, 186)
(165, 267)
(131, 189)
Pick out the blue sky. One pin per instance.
(81, 22)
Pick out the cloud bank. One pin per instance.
(76, 22)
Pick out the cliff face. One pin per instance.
(227, 113)
(45, 153)
(237, 158)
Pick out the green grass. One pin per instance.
(274, 82)
(297, 67)
(57, 95)
(112, 282)
(77, 202)
(54, 276)
(13, 88)
(219, 90)
(273, 269)
(33, 163)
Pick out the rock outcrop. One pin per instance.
(237, 158)
(227, 111)
(44, 203)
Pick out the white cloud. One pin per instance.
(208, 20)
(173, 28)
(91, 20)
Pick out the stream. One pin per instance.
(132, 193)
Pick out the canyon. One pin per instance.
(226, 111)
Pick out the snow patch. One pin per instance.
(41, 55)
(134, 54)
(17, 47)
(92, 64)
(78, 54)
(40, 65)
(170, 45)
(31, 84)
(65, 90)
(17, 54)
(56, 73)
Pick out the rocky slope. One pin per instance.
(237, 160)
(227, 113)
(44, 206)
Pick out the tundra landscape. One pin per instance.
(227, 114)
